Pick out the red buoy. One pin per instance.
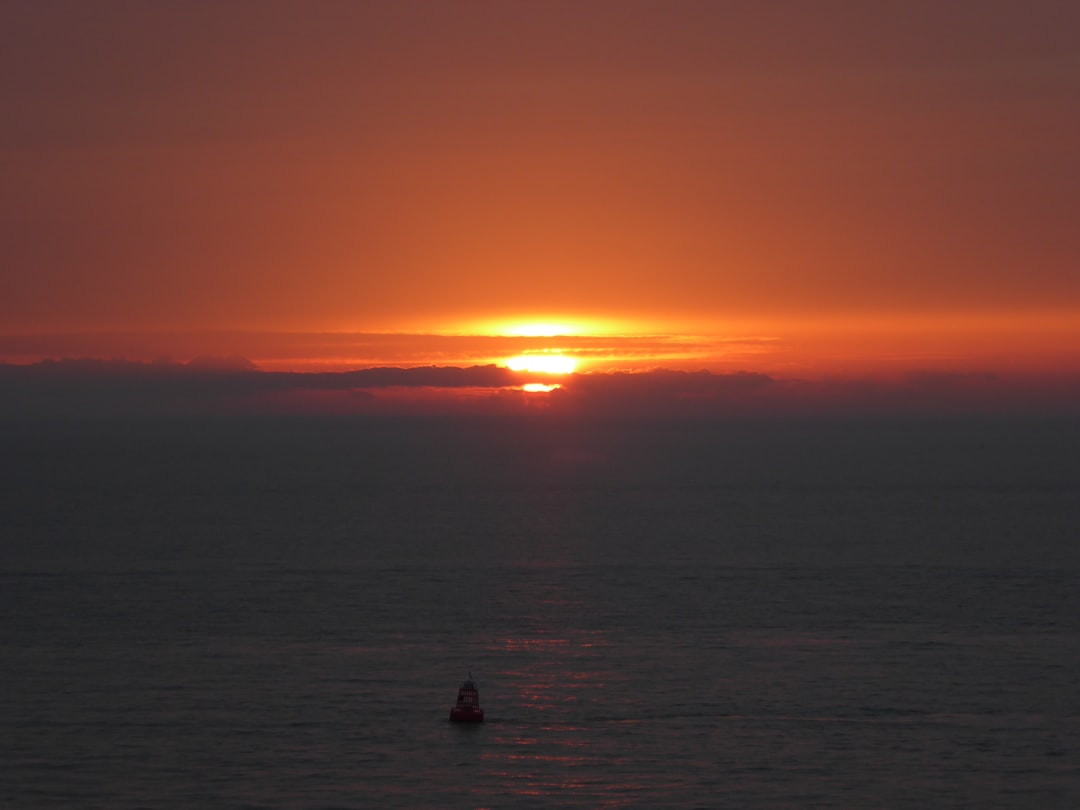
(467, 709)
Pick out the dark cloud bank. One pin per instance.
(232, 386)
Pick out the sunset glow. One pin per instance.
(542, 363)
(807, 193)
(702, 374)
(543, 330)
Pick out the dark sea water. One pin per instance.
(277, 614)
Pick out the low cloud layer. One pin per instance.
(230, 386)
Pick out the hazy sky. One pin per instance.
(744, 169)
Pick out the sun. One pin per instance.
(539, 388)
(542, 363)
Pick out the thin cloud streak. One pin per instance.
(344, 351)
(1029, 343)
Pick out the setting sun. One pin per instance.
(542, 363)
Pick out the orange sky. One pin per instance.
(802, 189)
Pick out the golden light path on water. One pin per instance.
(556, 678)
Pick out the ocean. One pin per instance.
(277, 613)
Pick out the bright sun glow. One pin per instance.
(539, 388)
(542, 363)
(542, 329)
